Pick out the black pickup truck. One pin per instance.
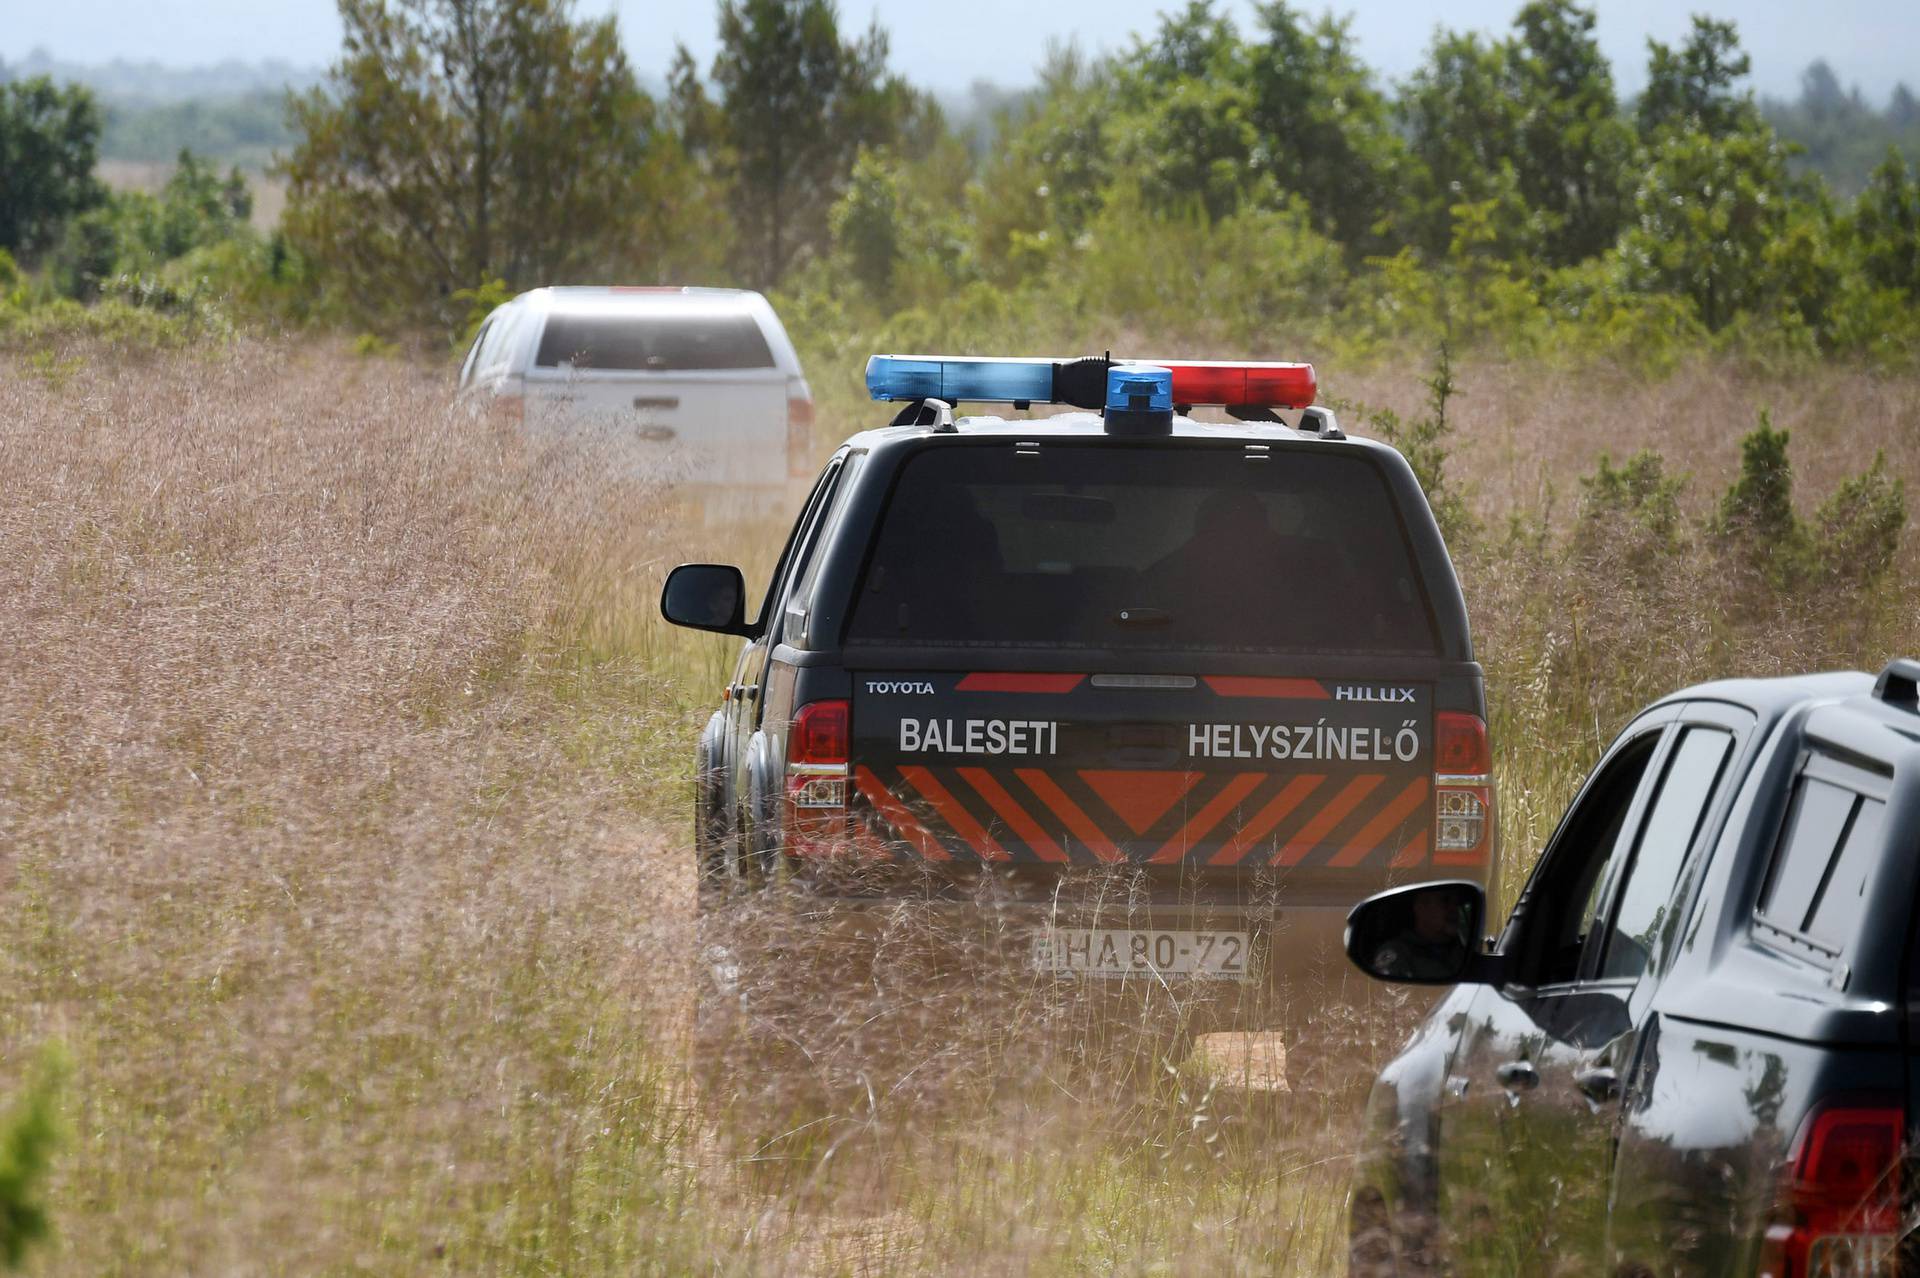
(1693, 1048)
(1000, 660)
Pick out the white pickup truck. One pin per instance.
(702, 383)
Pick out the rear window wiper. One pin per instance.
(1142, 617)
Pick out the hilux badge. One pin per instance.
(1350, 692)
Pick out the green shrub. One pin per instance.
(1850, 543)
(1630, 514)
(1856, 532)
(29, 1133)
(115, 322)
(1424, 443)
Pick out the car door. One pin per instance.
(750, 694)
(1590, 1036)
(1498, 1198)
(741, 700)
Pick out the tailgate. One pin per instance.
(1219, 774)
(722, 428)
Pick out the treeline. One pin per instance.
(246, 129)
(1250, 185)
(1840, 135)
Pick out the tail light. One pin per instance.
(799, 429)
(817, 750)
(1840, 1206)
(1463, 826)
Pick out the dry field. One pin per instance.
(342, 846)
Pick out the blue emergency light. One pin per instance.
(1139, 388)
(994, 381)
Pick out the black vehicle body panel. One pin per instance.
(1492, 1128)
(800, 654)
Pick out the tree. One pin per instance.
(1693, 89)
(1573, 148)
(1528, 126)
(1709, 215)
(1903, 110)
(49, 141)
(135, 233)
(796, 105)
(1324, 131)
(1046, 182)
(1821, 96)
(1181, 108)
(1462, 123)
(1886, 224)
(458, 141)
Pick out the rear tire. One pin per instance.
(712, 861)
(1370, 1236)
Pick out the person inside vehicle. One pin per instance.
(1433, 945)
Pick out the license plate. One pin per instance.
(1089, 951)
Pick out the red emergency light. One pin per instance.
(1226, 383)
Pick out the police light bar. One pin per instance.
(1083, 382)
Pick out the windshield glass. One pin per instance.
(1129, 548)
(654, 342)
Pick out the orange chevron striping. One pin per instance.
(1013, 814)
(1203, 821)
(897, 815)
(1277, 810)
(1140, 798)
(985, 845)
(1068, 811)
(1386, 822)
(1323, 822)
(1412, 854)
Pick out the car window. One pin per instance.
(1820, 869)
(1168, 548)
(799, 543)
(1690, 777)
(1564, 897)
(654, 342)
(495, 352)
(473, 354)
(836, 501)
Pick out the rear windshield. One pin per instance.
(1146, 549)
(654, 343)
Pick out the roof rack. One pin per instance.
(1899, 684)
(934, 414)
(1321, 422)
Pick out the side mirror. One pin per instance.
(1422, 934)
(706, 597)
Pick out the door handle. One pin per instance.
(1599, 1084)
(1519, 1076)
(750, 690)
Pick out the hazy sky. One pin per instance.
(1873, 43)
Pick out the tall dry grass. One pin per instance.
(342, 842)
(330, 855)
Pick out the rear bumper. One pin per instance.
(1299, 967)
